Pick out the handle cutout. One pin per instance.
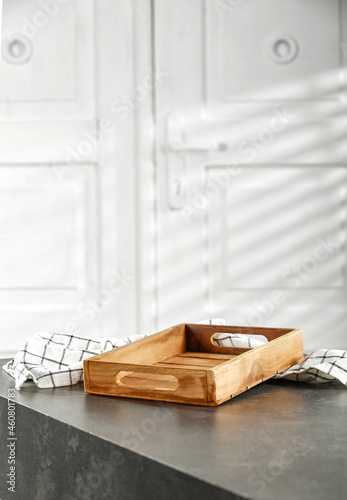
(239, 340)
(147, 381)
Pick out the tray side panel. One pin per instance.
(104, 378)
(257, 365)
(199, 337)
(148, 350)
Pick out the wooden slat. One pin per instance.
(189, 367)
(192, 361)
(209, 355)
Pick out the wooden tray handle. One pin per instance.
(141, 381)
(200, 337)
(147, 381)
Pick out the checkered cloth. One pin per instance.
(56, 359)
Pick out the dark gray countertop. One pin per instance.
(280, 440)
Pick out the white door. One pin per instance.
(251, 162)
(64, 171)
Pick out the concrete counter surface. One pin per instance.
(280, 440)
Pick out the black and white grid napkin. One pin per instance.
(56, 359)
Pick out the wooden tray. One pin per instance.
(183, 364)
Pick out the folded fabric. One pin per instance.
(322, 366)
(56, 359)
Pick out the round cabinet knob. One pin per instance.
(16, 49)
(282, 49)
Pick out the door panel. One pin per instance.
(58, 45)
(252, 175)
(267, 224)
(279, 42)
(47, 244)
(63, 184)
(278, 57)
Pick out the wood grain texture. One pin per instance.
(165, 367)
(103, 380)
(149, 350)
(193, 360)
(258, 364)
